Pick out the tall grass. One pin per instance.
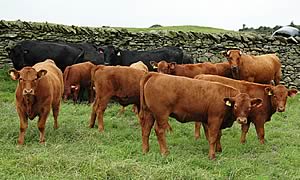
(75, 151)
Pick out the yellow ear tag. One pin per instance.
(269, 93)
(228, 103)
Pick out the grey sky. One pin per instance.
(227, 14)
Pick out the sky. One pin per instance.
(225, 14)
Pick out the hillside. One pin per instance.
(186, 28)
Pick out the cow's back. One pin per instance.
(263, 68)
(53, 80)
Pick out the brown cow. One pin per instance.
(274, 98)
(191, 70)
(190, 100)
(139, 65)
(77, 78)
(260, 69)
(118, 82)
(40, 88)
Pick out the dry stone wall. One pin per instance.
(201, 46)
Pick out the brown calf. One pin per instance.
(40, 88)
(191, 70)
(274, 99)
(190, 100)
(78, 77)
(260, 69)
(139, 65)
(118, 82)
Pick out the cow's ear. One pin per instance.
(226, 53)
(118, 53)
(100, 50)
(41, 73)
(14, 74)
(229, 101)
(154, 64)
(172, 65)
(292, 92)
(256, 102)
(269, 91)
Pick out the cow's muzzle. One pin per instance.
(235, 68)
(28, 92)
(242, 120)
(280, 109)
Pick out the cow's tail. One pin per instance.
(66, 85)
(79, 57)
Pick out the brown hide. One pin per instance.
(118, 82)
(76, 77)
(191, 70)
(36, 94)
(260, 69)
(274, 99)
(139, 65)
(188, 100)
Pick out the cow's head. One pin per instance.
(16, 54)
(278, 95)
(112, 55)
(242, 105)
(28, 79)
(164, 67)
(233, 57)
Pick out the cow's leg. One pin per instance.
(146, 121)
(197, 130)
(213, 132)
(205, 127)
(260, 131)
(55, 111)
(93, 113)
(277, 77)
(218, 142)
(41, 123)
(121, 111)
(23, 125)
(100, 111)
(91, 94)
(244, 128)
(160, 130)
(251, 79)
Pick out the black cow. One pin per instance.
(114, 56)
(30, 52)
(91, 52)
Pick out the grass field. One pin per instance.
(76, 152)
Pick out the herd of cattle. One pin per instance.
(245, 89)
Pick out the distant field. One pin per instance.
(75, 151)
(180, 28)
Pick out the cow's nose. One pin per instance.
(280, 109)
(242, 120)
(235, 68)
(28, 91)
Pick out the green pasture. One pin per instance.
(75, 151)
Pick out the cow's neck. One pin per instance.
(29, 101)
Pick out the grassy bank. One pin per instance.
(76, 152)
